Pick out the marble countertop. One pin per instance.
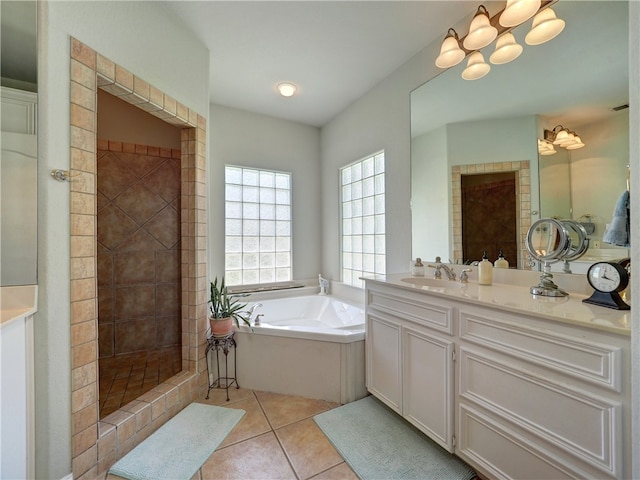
(17, 302)
(516, 298)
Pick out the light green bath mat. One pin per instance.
(181, 446)
(378, 444)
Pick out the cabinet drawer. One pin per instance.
(585, 426)
(577, 357)
(429, 313)
(502, 453)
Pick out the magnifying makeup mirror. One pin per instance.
(550, 241)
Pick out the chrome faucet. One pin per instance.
(451, 275)
(464, 275)
(251, 311)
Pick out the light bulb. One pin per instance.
(476, 67)
(481, 32)
(287, 89)
(545, 27)
(450, 52)
(518, 11)
(507, 50)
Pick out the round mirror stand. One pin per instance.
(546, 287)
(549, 241)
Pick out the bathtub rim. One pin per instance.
(347, 334)
(334, 335)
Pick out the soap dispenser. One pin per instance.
(417, 268)
(485, 270)
(501, 262)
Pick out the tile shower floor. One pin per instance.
(124, 378)
(276, 439)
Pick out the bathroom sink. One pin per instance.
(431, 282)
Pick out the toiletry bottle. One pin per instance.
(417, 269)
(485, 270)
(501, 262)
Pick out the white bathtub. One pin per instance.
(313, 317)
(310, 346)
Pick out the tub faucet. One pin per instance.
(441, 266)
(324, 285)
(251, 311)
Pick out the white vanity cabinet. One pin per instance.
(513, 392)
(18, 111)
(410, 351)
(538, 396)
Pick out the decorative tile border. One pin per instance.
(523, 202)
(96, 445)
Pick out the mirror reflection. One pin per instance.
(464, 130)
(18, 168)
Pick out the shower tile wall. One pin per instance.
(139, 282)
(489, 212)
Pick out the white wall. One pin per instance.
(176, 63)
(248, 139)
(599, 170)
(503, 140)
(380, 120)
(430, 185)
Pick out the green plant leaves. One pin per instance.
(223, 305)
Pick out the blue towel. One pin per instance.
(618, 231)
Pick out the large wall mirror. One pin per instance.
(478, 181)
(18, 168)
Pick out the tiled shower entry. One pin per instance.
(99, 443)
(139, 280)
(522, 197)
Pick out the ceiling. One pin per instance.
(334, 51)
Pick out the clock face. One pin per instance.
(607, 277)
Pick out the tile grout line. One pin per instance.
(273, 430)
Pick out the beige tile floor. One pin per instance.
(276, 439)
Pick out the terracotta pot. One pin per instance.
(221, 327)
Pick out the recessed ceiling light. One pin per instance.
(287, 89)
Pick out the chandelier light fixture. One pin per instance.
(546, 26)
(545, 148)
(476, 67)
(450, 52)
(562, 137)
(484, 29)
(481, 32)
(507, 49)
(518, 11)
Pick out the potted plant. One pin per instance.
(224, 310)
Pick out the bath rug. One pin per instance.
(181, 446)
(378, 444)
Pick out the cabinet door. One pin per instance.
(383, 360)
(428, 384)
